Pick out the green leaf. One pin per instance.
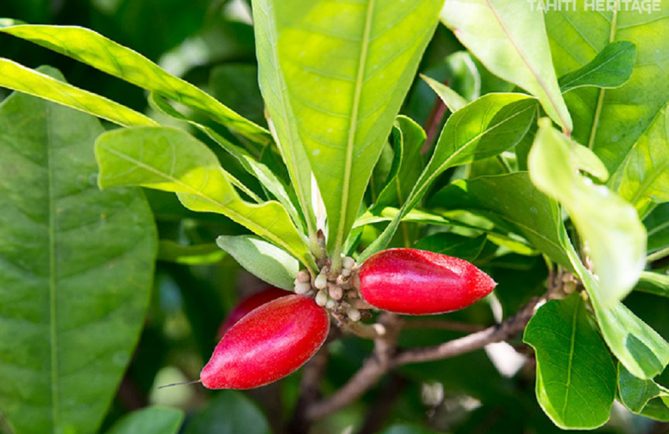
(151, 420)
(576, 377)
(404, 428)
(610, 68)
(483, 128)
(17, 77)
(172, 160)
(101, 53)
(657, 224)
(453, 245)
(644, 397)
(201, 254)
(513, 199)
(643, 177)
(653, 283)
(262, 259)
(336, 110)
(229, 413)
(509, 38)
(614, 236)
(610, 121)
(451, 98)
(76, 270)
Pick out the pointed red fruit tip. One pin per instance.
(418, 282)
(248, 304)
(267, 344)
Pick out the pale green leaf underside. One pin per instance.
(509, 38)
(644, 397)
(450, 98)
(610, 68)
(18, 77)
(333, 75)
(172, 160)
(76, 267)
(106, 55)
(643, 178)
(262, 259)
(150, 420)
(576, 378)
(610, 227)
(610, 121)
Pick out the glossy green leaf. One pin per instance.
(610, 68)
(336, 110)
(262, 259)
(509, 38)
(453, 245)
(609, 226)
(201, 254)
(644, 397)
(513, 199)
(172, 160)
(106, 55)
(576, 377)
(76, 270)
(230, 412)
(17, 77)
(483, 128)
(643, 177)
(150, 420)
(653, 283)
(610, 121)
(451, 98)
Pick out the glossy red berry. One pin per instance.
(419, 282)
(267, 344)
(248, 304)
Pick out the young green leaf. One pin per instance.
(576, 377)
(18, 77)
(610, 227)
(262, 259)
(172, 160)
(200, 254)
(106, 55)
(451, 98)
(610, 68)
(336, 110)
(643, 177)
(509, 38)
(653, 283)
(150, 420)
(453, 245)
(76, 271)
(643, 397)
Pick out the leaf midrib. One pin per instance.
(572, 345)
(353, 127)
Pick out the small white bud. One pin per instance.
(302, 287)
(353, 314)
(348, 263)
(335, 292)
(346, 272)
(331, 304)
(321, 281)
(303, 276)
(321, 298)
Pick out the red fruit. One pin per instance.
(248, 304)
(418, 282)
(269, 343)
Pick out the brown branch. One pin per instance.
(439, 324)
(385, 358)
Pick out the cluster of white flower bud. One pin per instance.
(333, 292)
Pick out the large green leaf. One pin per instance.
(643, 177)
(76, 267)
(610, 68)
(229, 413)
(610, 121)
(644, 397)
(514, 199)
(576, 377)
(333, 75)
(99, 52)
(481, 129)
(150, 420)
(614, 237)
(509, 37)
(172, 160)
